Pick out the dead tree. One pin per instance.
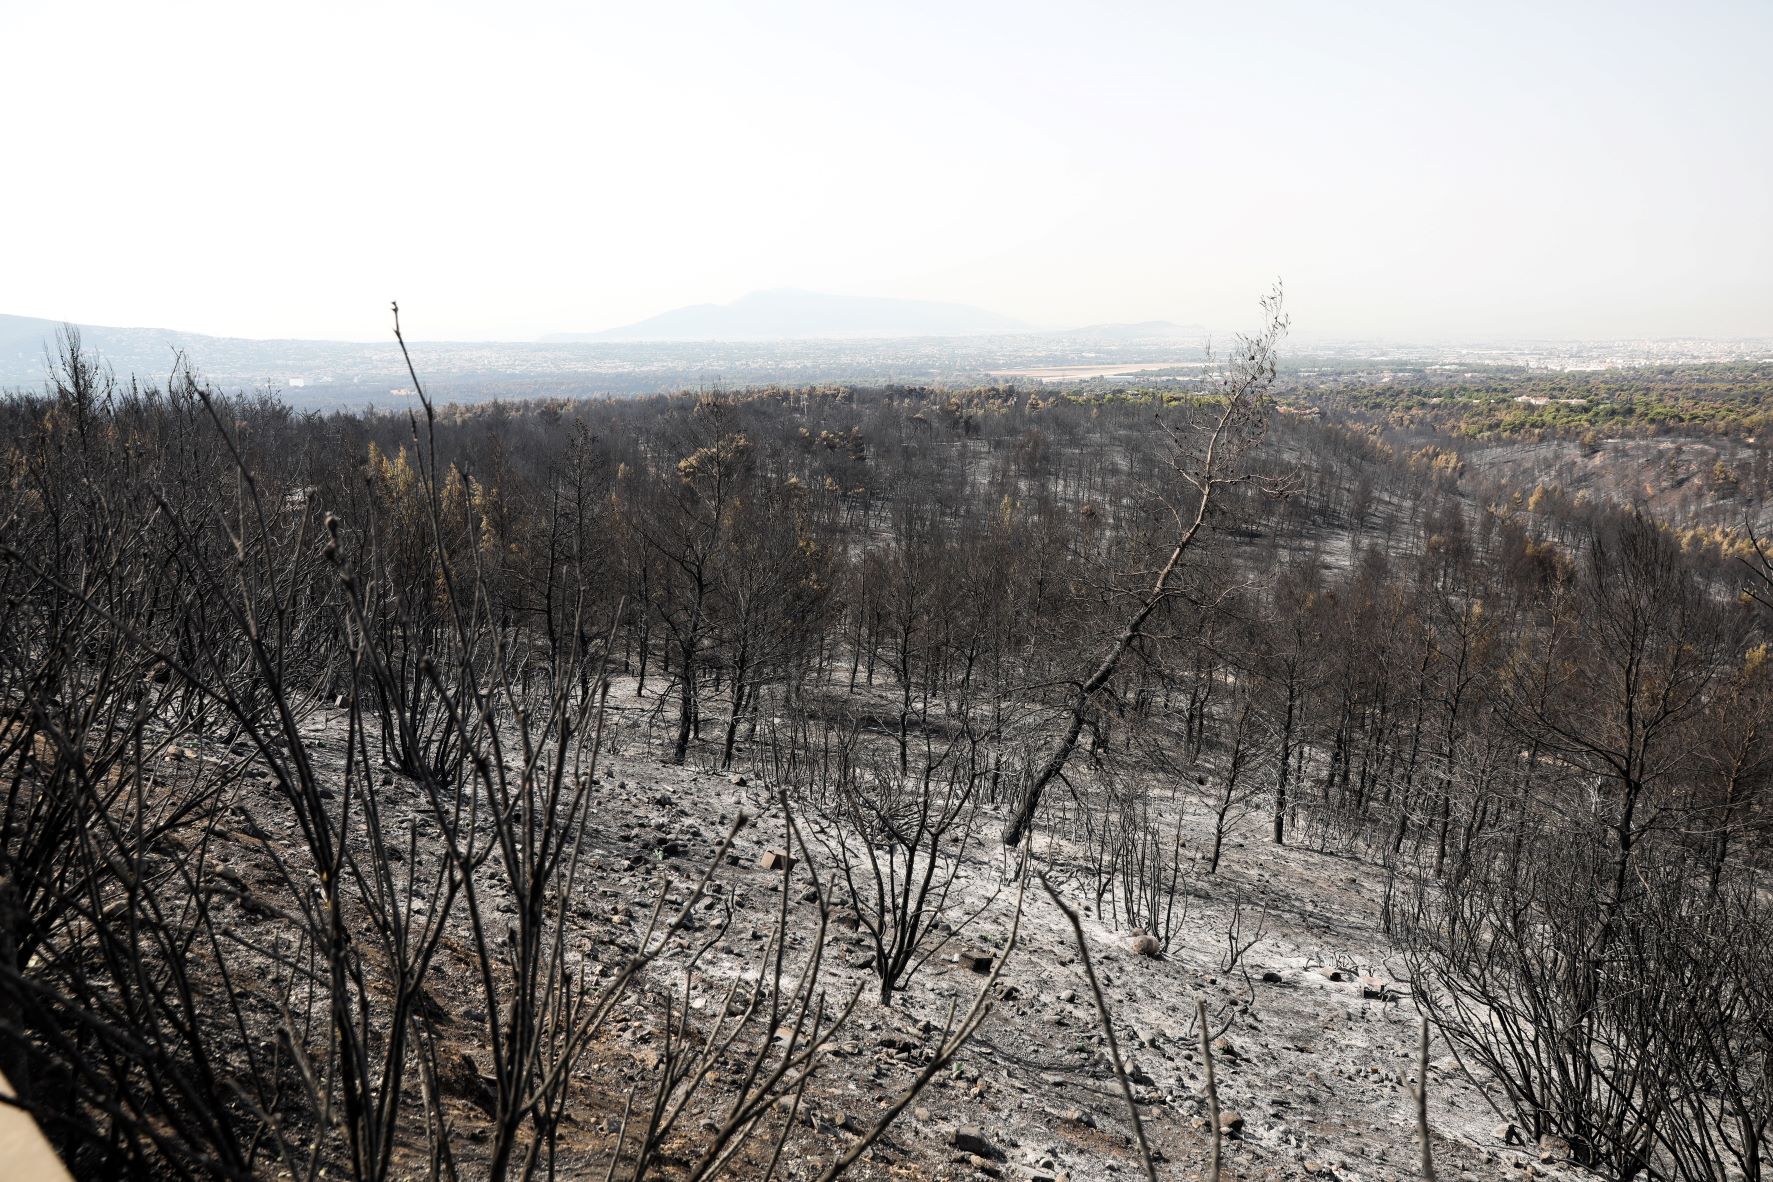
(1204, 460)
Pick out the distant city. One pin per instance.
(323, 374)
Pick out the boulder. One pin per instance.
(970, 1139)
(1553, 1148)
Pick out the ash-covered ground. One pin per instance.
(1313, 1029)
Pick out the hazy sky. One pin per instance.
(1414, 170)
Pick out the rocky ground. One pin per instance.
(1314, 1031)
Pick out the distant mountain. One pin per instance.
(788, 314)
(25, 334)
(29, 345)
(26, 342)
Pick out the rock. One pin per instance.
(775, 860)
(969, 1139)
(1231, 1123)
(1271, 978)
(1142, 943)
(739, 780)
(1078, 1116)
(1509, 1133)
(922, 1115)
(462, 1078)
(1377, 989)
(1553, 1148)
(978, 960)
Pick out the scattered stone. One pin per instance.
(775, 860)
(1231, 1123)
(1142, 943)
(969, 1139)
(1553, 1148)
(978, 960)
(1509, 1133)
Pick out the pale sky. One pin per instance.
(1422, 170)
